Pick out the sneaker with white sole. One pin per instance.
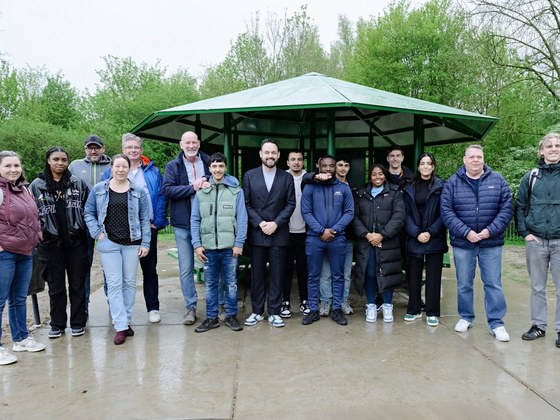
(371, 312)
(6, 358)
(432, 321)
(346, 308)
(276, 321)
(304, 308)
(500, 333)
(190, 316)
(154, 317)
(253, 319)
(324, 308)
(412, 317)
(463, 325)
(387, 309)
(285, 311)
(29, 344)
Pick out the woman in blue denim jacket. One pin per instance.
(118, 216)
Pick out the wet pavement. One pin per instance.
(322, 371)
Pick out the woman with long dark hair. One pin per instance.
(426, 239)
(61, 198)
(19, 234)
(379, 214)
(118, 216)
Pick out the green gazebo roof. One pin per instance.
(297, 109)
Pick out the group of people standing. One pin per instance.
(319, 221)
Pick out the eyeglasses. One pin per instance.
(132, 148)
(93, 148)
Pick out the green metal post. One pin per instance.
(330, 132)
(311, 158)
(418, 138)
(228, 138)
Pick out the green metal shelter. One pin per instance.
(314, 112)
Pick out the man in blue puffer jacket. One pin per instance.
(476, 207)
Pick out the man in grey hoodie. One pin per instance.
(89, 169)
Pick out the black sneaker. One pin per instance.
(207, 325)
(533, 333)
(76, 332)
(558, 341)
(233, 323)
(310, 318)
(338, 317)
(285, 311)
(55, 332)
(304, 308)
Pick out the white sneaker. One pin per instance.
(346, 308)
(387, 309)
(6, 358)
(371, 312)
(253, 319)
(276, 321)
(154, 317)
(462, 326)
(29, 344)
(500, 333)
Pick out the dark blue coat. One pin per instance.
(176, 187)
(431, 222)
(463, 209)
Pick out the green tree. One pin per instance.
(128, 92)
(530, 27)
(286, 47)
(415, 52)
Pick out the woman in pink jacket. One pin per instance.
(20, 232)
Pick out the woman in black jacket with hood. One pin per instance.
(426, 239)
(379, 214)
(61, 198)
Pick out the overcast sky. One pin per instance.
(73, 35)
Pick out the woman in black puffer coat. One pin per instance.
(379, 215)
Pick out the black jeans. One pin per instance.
(296, 251)
(434, 266)
(150, 275)
(56, 264)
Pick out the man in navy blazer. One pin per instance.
(270, 200)
(184, 176)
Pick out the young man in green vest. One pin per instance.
(219, 230)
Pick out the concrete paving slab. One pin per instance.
(322, 371)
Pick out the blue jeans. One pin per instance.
(542, 257)
(221, 264)
(371, 285)
(316, 251)
(185, 252)
(325, 288)
(15, 275)
(490, 264)
(120, 263)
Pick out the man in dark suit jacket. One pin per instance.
(270, 200)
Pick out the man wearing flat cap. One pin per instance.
(90, 169)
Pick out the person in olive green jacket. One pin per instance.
(219, 230)
(538, 221)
